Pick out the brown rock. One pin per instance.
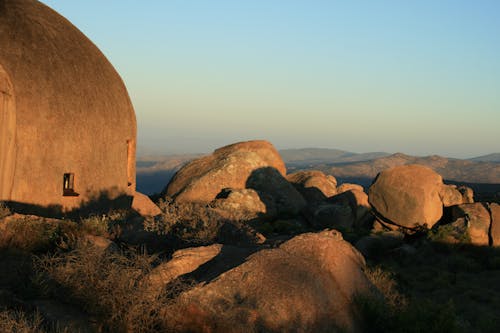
(407, 196)
(477, 220)
(273, 290)
(313, 185)
(348, 186)
(183, 261)
(374, 244)
(228, 167)
(338, 216)
(245, 204)
(358, 201)
(287, 200)
(452, 195)
(495, 223)
(143, 205)
(100, 243)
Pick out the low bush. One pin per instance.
(19, 322)
(4, 210)
(108, 286)
(393, 312)
(37, 235)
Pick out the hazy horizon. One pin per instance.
(420, 78)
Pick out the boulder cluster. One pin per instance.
(250, 178)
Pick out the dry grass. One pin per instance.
(192, 223)
(36, 235)
(394, 312)
(19, 322)
(107, 286)
(386, 284)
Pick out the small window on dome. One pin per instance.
(69, 185)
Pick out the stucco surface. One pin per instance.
(72, 111)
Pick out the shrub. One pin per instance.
(36, 234)
(4, 210)
(19, 322)
(394, 313)
(95, 225)
(190, 223)
(106, 285)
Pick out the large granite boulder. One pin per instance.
(407, 196)
(307, 284)
(227, 167)
(314, 185)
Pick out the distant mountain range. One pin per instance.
(487, 158)
(154, 172)
(320, 156)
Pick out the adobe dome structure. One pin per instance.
(67, 125)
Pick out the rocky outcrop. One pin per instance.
(407, 196)
(272, 290)
(183, 261)
(227, 167)
(474, 223)
(345, 211)
(143, 205)
(375, 244)
(313, 185)
(247, 204)
(287, 200)
(452, 195)
(348, 186)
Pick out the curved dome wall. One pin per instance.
(75, 126)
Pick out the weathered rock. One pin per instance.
(407, 196)
(227, 167)
(345, 211)
(245, 204)
(183, 261)
(358, 201)
(452, 195)
(338, 216)
(476, 219)
(100, 243)
(237, 233)
(287, 200)
(348, 186)
(495, 223)
(273, 290)
(313, 185)
(143, 205)
(375, 244)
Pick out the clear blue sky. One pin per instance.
(420, 77)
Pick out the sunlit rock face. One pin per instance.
(228, 167)
(307, 284)
(314, 185)
(68, 128)
(407, 196)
